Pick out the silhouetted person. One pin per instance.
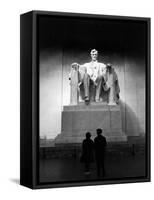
(100, 146)
(87, 152)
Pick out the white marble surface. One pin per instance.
(77, 120)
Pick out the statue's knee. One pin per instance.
(86, 77)
(100, 77)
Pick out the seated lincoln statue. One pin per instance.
(90, 80)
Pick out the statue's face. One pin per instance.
(94, 56)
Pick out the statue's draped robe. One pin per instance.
(112, 86)
(74, 81)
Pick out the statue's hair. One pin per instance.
(93, 51)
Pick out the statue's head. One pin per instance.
(94, 54)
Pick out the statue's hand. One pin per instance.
(75, 63)
(75, 66)
(79, 84)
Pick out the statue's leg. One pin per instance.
(86, 83)
(92, 91)
(112, 96)
(98, 88)
(81, 86)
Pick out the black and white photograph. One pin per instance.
(76, 100)
(93, 97)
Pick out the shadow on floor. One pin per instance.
(15, 180)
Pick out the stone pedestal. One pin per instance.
(79, 119)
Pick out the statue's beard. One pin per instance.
(94, 59)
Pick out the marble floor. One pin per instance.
(59, 170)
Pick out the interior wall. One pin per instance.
(50, 92)
(55, 89)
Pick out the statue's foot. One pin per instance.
(112, 103)
(86, 99)
(97, 100)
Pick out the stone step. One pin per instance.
(92, 106)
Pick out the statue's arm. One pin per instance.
(103, 69)
(74, 68)
(116, 77)
(117, 87)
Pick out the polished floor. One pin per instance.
(58, 170)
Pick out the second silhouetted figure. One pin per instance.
(100, 146)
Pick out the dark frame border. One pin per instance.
(33, 171)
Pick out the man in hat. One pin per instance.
(100, 147)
